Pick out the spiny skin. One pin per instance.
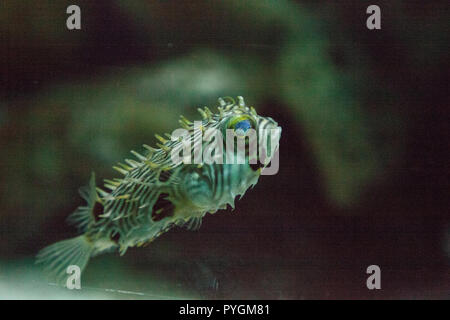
(156, 194)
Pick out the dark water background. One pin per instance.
(364, 156)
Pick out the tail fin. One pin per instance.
(84, 215)
(58, 256)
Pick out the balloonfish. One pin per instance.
(161, 189)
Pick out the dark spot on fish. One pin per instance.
(164, 176)
(163, 208)
(97, 210)
(115, 237)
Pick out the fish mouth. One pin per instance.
(256, 166)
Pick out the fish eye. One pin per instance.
(240, 125)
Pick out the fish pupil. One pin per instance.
(243, 125)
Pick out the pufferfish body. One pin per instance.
(156, 193)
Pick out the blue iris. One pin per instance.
(244, 125)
